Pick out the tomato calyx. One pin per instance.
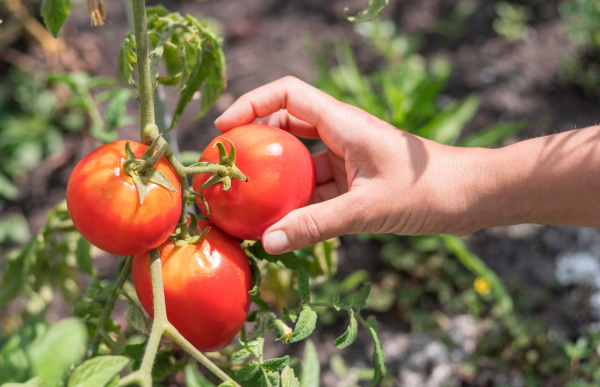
(195, 236)
(223, 171)
(142, 171)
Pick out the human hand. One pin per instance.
(372, 178)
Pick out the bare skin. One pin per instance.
(377, 178)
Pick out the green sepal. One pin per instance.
(193, 227)
(157, 177)
(129, 153)
(255, 277)
(151, 149)
(142, 186)
(193, 240)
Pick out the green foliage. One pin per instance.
(55, 14)
(581, 25)
(192, 54)
(371, 11)
(405, 90)
(512, 20)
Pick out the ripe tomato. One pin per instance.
(206, 287)
(105, 206)
(281, 175)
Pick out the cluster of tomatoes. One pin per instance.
(206, 283)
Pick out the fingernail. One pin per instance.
(218, 118)
(276, 242)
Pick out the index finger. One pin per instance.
(302, 101)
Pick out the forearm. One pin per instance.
(547, 180)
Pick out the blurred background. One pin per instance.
(512, 306)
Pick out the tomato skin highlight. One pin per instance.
(105, 206)
(206, 287)
(281, 174)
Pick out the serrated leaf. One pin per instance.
(185, 74)
(378, 355)
(87, 309)
(193, 378)
(240, 355)
(127, 60)
(311, 369)
(59, 349)
(371, 11)
(288, 379)
(199, 75)
(269, 379)
(255, 346)
(83, 256)
(157, 177)
(360, 297)
(275, 364)
(303, 285)
(247, 371)
(55, 14)
(350, 335)
(336, 301)
(135, 317)
(305, 325)
(214, 85)
(94, 288)
(97, 372)
(136, 353)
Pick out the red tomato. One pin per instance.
(206, 287)
(104, 204)
(281, 175)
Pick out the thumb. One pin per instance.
(315, 223)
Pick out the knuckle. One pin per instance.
(308, 227)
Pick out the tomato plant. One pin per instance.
(281, 178)
(106, 207)
(206, 287)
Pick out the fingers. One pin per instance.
(323, 167)
(335, 121)
(283, 120)
(309, 225)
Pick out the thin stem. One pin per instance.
(145, 86)
(172, 333)
(110, 304)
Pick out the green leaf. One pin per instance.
(287, 260)
(305, 325)
(214, 86)
(229, 383)
(288, 379)
(193, 378)
(185, 74)
(87, 309)
(7, 188)
(303, 285)
(247, 371)
(136, 353)
(371, 11)
(16, 272)
(97, 372)
(269, 379)
(350, 335)
(336, 301)
(275, 364)
(447, 126)
(311, 369)
(360, 297)
(135, 317)
(94, 288)
(240, 355)
(60, 348)
(55, 13)
(492, 135)
(199, 75)
(83, 256)
(378, 355)
(289, 313)
(128, 60)
(255, 347)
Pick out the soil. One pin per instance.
(515, 80)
